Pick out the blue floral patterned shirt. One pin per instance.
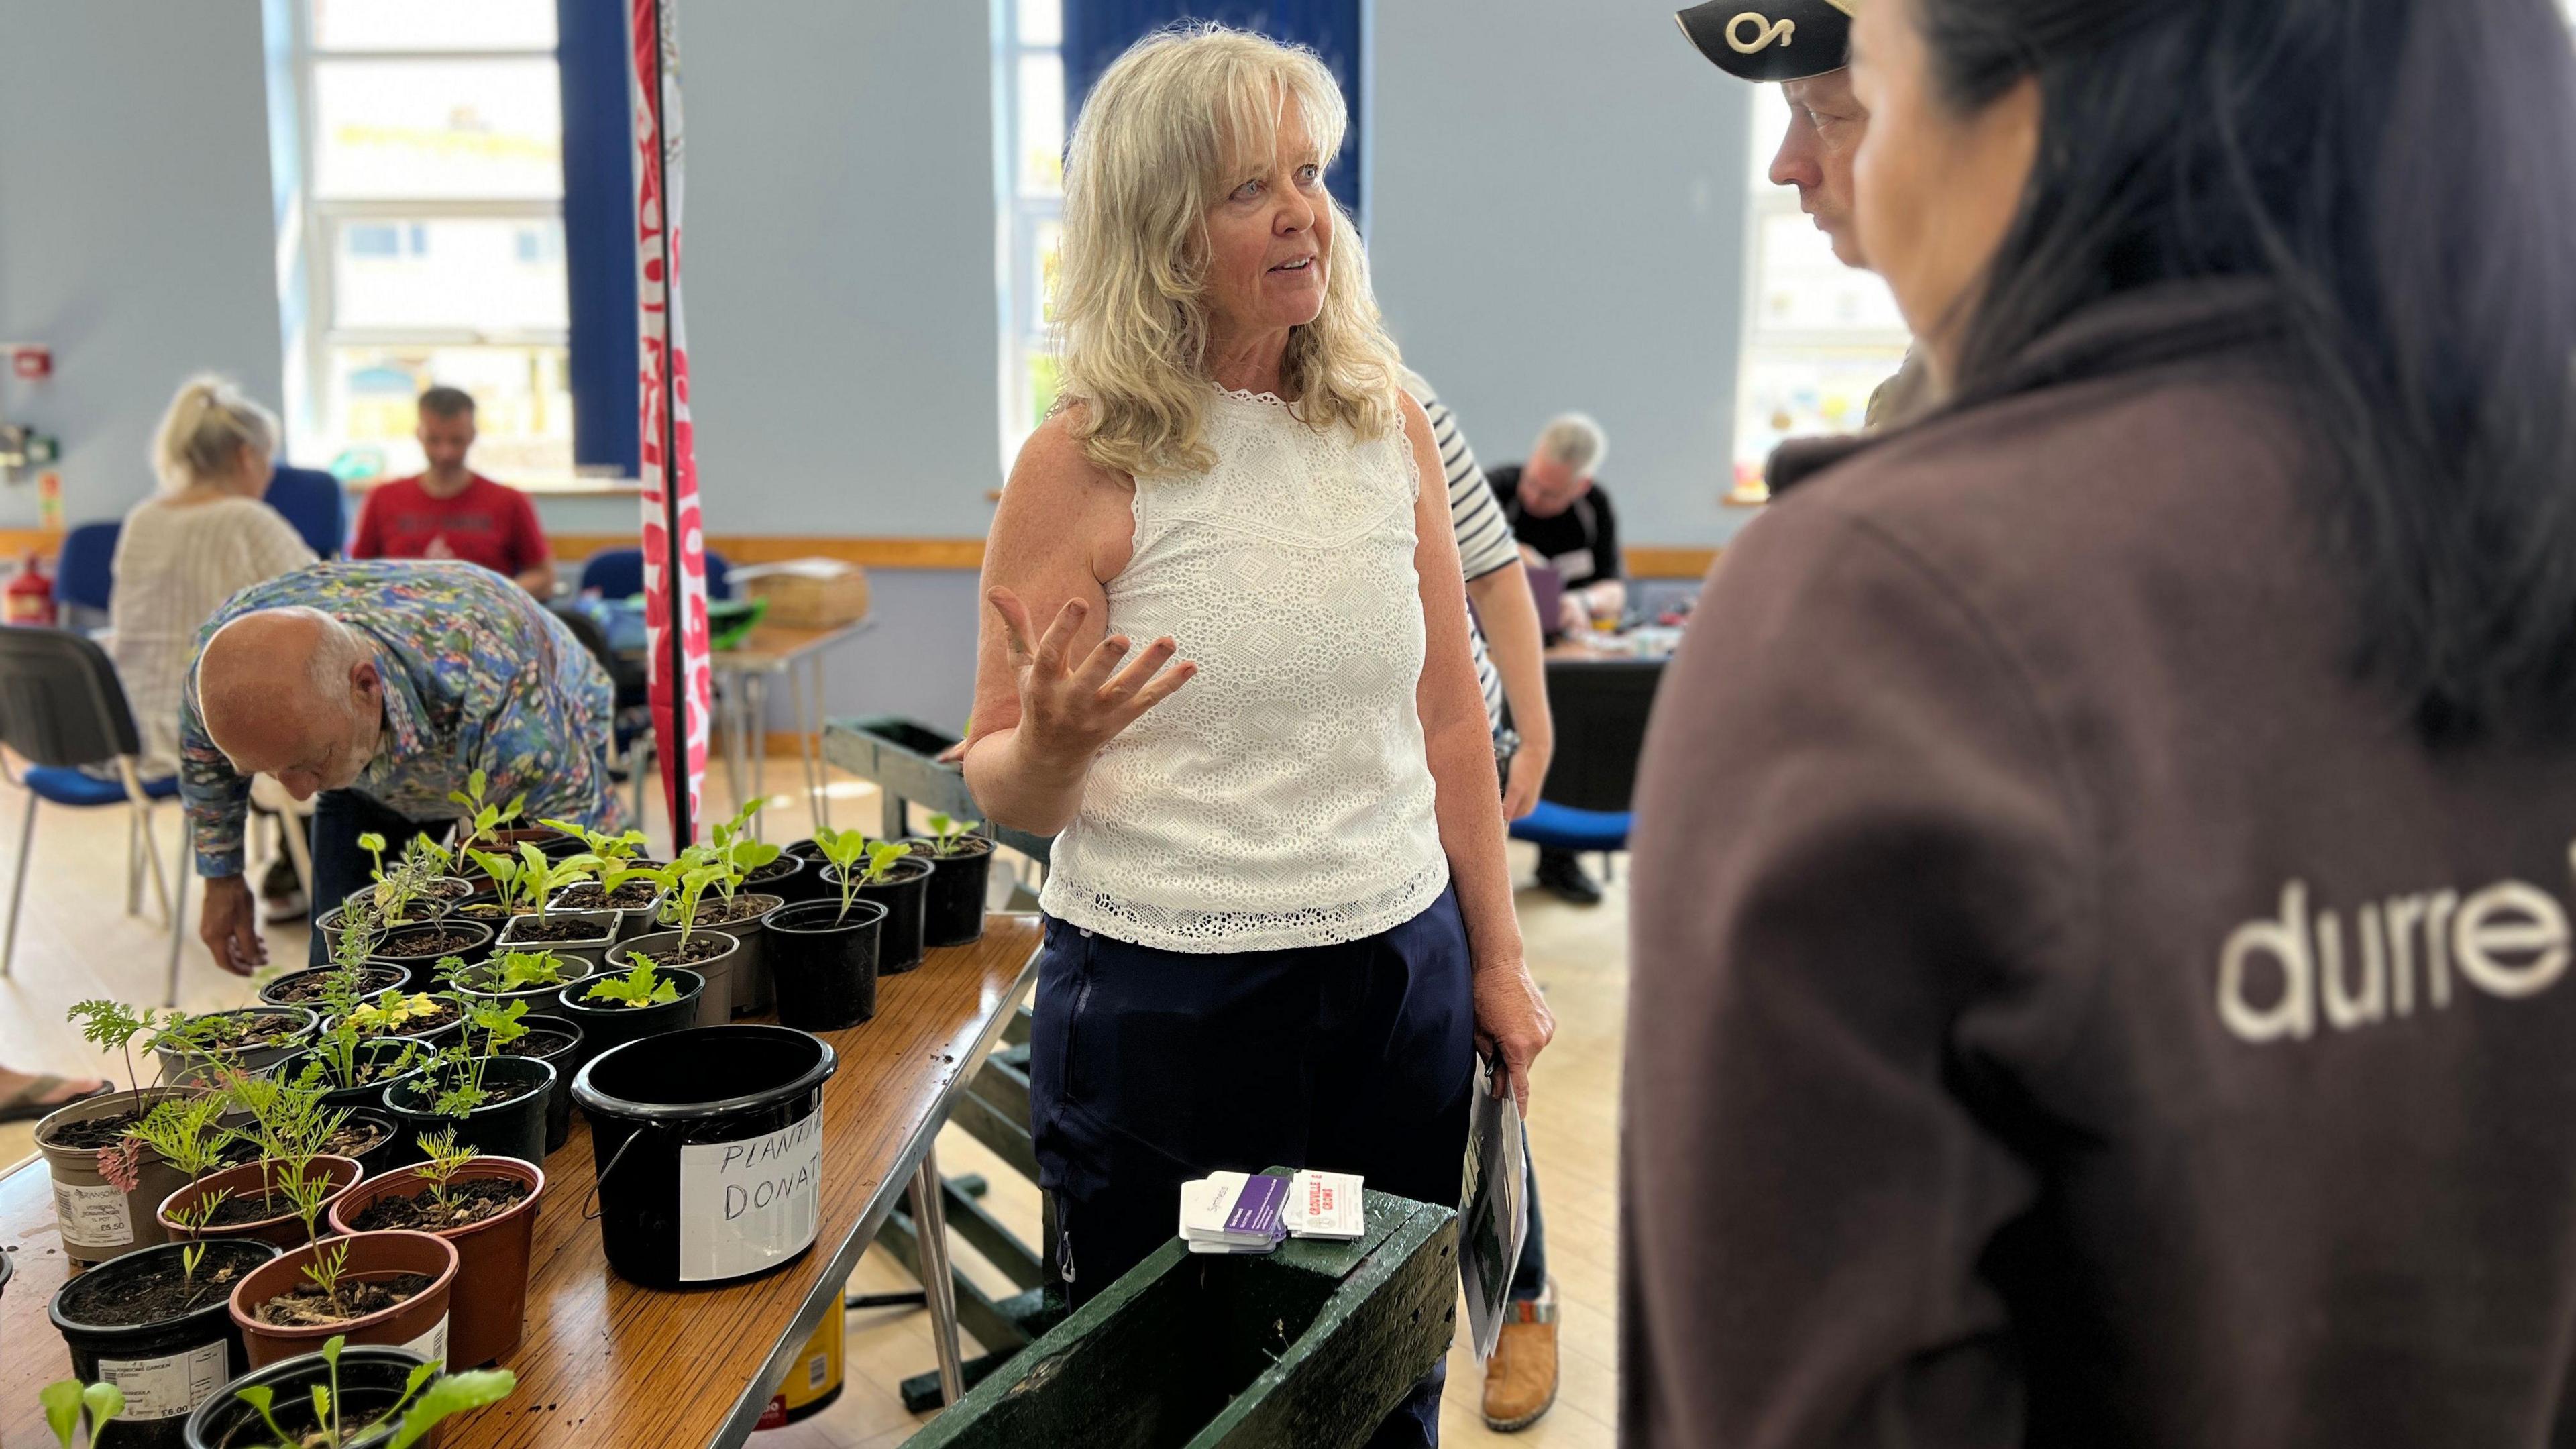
(478, 676)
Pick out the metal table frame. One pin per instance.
(742, 711)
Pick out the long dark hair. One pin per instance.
(2400, 170)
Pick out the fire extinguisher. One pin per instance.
(30, 596)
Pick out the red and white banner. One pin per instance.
(673, 537)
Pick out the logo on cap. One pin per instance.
(1765, 32)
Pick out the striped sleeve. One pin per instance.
(1484, 537)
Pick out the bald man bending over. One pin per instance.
(379, 687)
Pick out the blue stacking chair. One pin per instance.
(1585, 832)
(85, 570)
(618, 574)
(312, 500)
(62, 708)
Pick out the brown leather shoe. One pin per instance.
(1520, 1379)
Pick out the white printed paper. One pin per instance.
(433, 1344)
(748, 1205)
(1325, 1205)
(1493, 1219)
(94, 1217)
(169, 1386)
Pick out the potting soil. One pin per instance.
(628, 895)
(152, 1295)
(531, 930)
(240, 1208)
(318, 985)
(449, 890)
(723, 913)
(92, 1133)
(439, 943)
(355, 1139)
(304, 1305)
(539, 1042)
(467, 1203)
(699, 948)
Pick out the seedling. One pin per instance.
(427, 1397)
(611, 849)
(308, 1192)
(947, 836)
(447, 1157)
(362, 929)
(740, 857)
(643, 985)
(196, 1217)
(113, 1026)
(393, 1013)
(504, 873)
(524, 970)
(289, 1122)
(684, 881)
(882, 854)
(439, 858)
(66, 1401)
(489, 1025)
(846, 849)
(328, 1267)
(540, 877)
(179, 1130)
(486, 818)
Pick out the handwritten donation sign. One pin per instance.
(750, 1205)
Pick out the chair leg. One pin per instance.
(299, 853)
(152, 856)
(178, 913)
(18, 892)
(133, 867)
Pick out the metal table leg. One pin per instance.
(930, 1227)
(805, 744)
(728, 708)
(756, 739)
(823, 762)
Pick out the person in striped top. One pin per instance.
(1504, 626)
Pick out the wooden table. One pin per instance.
(716, 1354)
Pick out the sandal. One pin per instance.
(31, 1102)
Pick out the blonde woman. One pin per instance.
(203, 538)
(1279, 919)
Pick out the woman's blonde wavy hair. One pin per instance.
(1164, 130)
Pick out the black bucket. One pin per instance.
(167, 1368)
(709, 1145)
(825, 964)
(954, 913)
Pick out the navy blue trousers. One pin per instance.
(340, 868)
(1149, 1068)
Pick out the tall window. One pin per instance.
(1819, 337)
(432, 166)
(1028, 95)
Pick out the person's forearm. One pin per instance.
(540, 580)
(1017, 788)
(1513, 639)
(1469, 805)
(1607, 599)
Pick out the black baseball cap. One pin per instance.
(1772, 40)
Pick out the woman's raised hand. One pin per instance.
(1068, 711)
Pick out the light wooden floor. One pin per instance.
(77, 942)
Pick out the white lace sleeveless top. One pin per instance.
(1281, 799)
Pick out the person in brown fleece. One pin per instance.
(2103, 860)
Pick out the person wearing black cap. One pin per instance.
(1805, 46)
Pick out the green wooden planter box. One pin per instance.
(1309, 1346)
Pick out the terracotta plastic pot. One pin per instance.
(166, 1366)
(181, 1067)
(606, 1025)
(418, 1323)
(421, 971)
(371, 1382)
(256, 1180)
(826, 963)
(487, 1306)
(100, 1220)
(515, 1128)
(905, 893)
(720, 971)
(589, 947)
(371, 980)
(953, 912)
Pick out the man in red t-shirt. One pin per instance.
(453, 512)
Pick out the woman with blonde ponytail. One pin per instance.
(1279, 923)
(203, 538)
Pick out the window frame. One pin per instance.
(1020, 217)
(319, 222)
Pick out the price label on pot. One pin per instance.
(169, 1386)
(94, 1217)
(745, 1206)
(433, 1344)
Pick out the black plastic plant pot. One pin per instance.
(394, 1150)
(606, 1025)
(420, 966)
(905, 894)
(825, 964)
(512, 1128)
(775, 877)
(566, 1059)
(953, 915)
(709, 1146)
(807, 884)
(286, 989)
(361, 1094)
(371, 1380)
(170, 1365)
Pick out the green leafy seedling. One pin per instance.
(65, 1402)
(847, 850)
(684, 883)
(523, 970)
(882, 854)
(947, 835)
(609, 848)
(447, 1157)
(643, 985)
(113, 1026)
(485, 817)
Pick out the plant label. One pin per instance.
(168, 1386)
(93, 1216)
(750, 1205)
(433, 1344)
